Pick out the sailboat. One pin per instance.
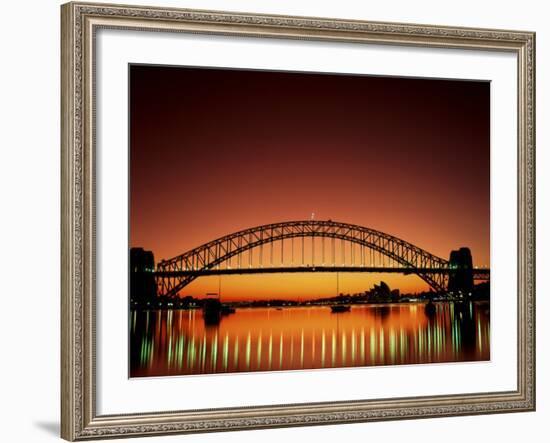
(335, 309)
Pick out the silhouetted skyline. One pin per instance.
(215, 151)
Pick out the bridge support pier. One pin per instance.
(461, 277)
(143, 287)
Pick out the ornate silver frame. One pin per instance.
(79, 420)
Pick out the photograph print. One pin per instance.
(303, 221)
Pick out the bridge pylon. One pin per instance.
(461, 276)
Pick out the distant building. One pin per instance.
(143, 287)
(380, 293)
(395, 295)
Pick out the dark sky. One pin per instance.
(214, 151)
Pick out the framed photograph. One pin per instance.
(282, 221)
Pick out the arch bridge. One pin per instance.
(247, 251)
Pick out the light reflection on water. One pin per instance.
(177, 342)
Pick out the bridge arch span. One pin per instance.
(215, 252)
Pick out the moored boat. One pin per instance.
(339, 308)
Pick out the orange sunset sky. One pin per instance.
(214, 151)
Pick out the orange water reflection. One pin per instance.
(179, 342)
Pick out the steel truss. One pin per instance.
(171, 277)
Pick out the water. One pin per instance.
(178, 342)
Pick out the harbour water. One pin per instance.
(180, 342)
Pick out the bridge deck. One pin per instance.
(479, 273)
